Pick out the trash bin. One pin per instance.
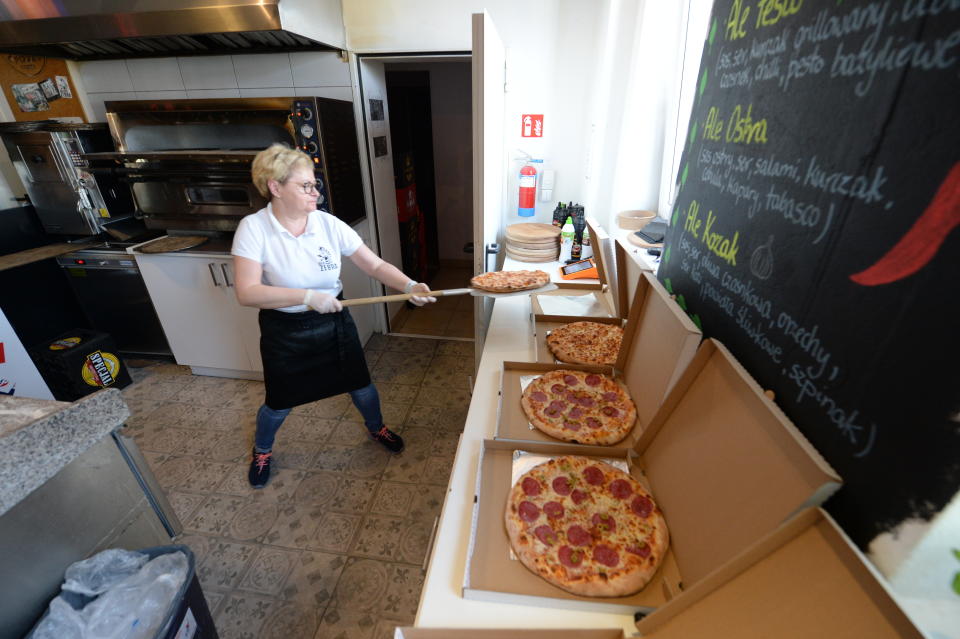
(80, 362)
(188, 616)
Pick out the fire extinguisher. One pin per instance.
(528, 191)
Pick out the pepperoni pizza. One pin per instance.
(586, 527)
(581, 407)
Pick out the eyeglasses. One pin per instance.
(311, 187)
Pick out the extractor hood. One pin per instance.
(106, 29)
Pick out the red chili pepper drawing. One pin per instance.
(922, 241)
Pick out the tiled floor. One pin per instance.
(449, 316)
(334, 546)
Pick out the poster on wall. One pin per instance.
(39, 88)
(814, 235)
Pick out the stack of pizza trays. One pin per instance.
(533, 242)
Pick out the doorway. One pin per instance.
(422, 160)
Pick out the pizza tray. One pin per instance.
(172, 243)
(476, 292)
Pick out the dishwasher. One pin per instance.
(114, 299)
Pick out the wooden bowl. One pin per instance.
(634, 220)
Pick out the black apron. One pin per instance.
(309, 356)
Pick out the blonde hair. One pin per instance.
(276, 162)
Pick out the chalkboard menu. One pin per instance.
(813, 234)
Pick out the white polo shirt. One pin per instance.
(309, 261)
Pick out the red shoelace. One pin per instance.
(261, 460)
(383, 433)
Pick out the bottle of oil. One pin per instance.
(566, 239)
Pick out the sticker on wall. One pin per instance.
(531, 125)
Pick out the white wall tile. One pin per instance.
(155, 74)
(213, 93)
(338, 93)
(161, 95)
(258, 70)
(102, 76)
(208, 72)
(273, 92)
(319, 69)
(97, 99)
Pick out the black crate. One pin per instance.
(80, 362)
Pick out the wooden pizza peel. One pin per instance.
(476, 292)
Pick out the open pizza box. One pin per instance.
(804, 579)
(586, 298)
(659, 341)
(723, 463)
(628, 267)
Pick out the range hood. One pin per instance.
(108, 29)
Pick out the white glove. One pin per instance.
(419, 287)
(321, 302)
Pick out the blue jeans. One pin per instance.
(269, 420)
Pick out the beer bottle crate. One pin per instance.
(80, 362)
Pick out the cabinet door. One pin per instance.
(198, 310)
(247, 318)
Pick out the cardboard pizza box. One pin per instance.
(724, 464)
(628, 265)
(804, 579)
(659, 341)
(511, 633)
(590, 298)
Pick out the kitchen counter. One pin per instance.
(510, 337)
(39, 437)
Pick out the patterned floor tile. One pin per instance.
(379, 538)
(348, 432)
(437, 470)
(335, 532)
(445, 443)
(269, 571)
(407, 358)
(230, 419)
(368, 460)
(198, 443)
(400, 393)
(207, 475)
(306, 428)
(340, 624)
(290, 620)
(333, 458)
(184, 504)
(317, 488)
(393, 498)
(295, 526)
(254, 519)
(353, 495)
(242, 615)
(224, 563)
(290, 454)
(214, 515)
(408, 467)
(427, 501)
(313, 578)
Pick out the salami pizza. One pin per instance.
(510, 281)
(586, 343)
(580, 407)
(586, 527)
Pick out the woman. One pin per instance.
(287, 263)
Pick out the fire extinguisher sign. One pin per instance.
(531, 125)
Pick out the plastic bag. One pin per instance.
(98, 573)
(134, 607)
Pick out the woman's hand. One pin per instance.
(321, 302)
(420, 300)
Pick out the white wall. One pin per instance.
(550, 48)
(321, 74)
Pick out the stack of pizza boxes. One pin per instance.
(802, 579)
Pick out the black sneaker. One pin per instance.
(390, 440)
(259, 469)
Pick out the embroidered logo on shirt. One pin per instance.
(325, 260)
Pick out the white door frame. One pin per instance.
(384, 236)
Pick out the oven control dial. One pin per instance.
(306, 113)
(311, 147)
(306, 131)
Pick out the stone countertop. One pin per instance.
(39, 437)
